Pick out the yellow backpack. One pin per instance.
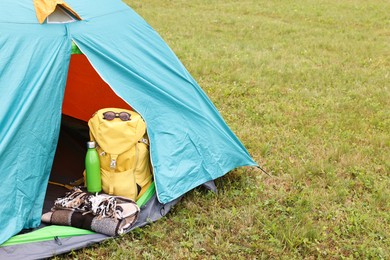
(123, 149)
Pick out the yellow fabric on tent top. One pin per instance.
(44, 8)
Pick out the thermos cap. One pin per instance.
(91, 144)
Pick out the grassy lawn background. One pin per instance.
(305, 86)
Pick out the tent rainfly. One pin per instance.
(44, 79)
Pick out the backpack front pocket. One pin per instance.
(120, 183)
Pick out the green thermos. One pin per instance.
(92, 169)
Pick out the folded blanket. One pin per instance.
(109, 215)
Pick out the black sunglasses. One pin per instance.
(110, 115)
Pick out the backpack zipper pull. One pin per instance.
(113, 164)
(113, 161)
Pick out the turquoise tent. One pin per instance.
(190, 142)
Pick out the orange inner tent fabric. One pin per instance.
(86, 92)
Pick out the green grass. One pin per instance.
(305, 86)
